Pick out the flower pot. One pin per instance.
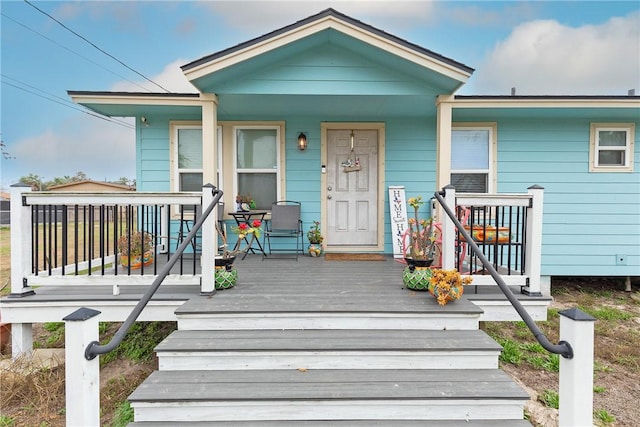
(444, 297)
(489, 234)
(315, 249)
(225, 275)
(417, 275)
(136, 261)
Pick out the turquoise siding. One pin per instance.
(589, 217)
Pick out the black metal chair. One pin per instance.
(285, 223)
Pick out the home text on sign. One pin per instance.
(398, 213)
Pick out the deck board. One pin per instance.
(292, 385)
(327, 340)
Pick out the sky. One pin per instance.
(538, 47)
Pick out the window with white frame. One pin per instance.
(472, 158)
(257, 151)
(187, 158)
(611, 147)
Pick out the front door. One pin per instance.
(352, 188)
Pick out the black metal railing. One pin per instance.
(95, 348)
(83, 239)
(563, 348)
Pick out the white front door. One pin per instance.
(352, 194)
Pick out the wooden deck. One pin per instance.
(272, 285)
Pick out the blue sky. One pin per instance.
(539, 47)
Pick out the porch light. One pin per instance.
(302, 141)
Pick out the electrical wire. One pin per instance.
(72, 51)
(54, 98)
(95, 46)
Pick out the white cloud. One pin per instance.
(260, 17)
(171, 78)
(98, 148)
(547, 58)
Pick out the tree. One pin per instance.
(35, 181)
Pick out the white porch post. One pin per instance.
(444, 106)
(209, 171)
(20, 241)
(21, 333)
(82, 376)
(576, 374)
(533, 257)
(448, 231)
(207, 262)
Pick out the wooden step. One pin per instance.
(349, 423)
(234, 310)
(364, 394)
(328, 349)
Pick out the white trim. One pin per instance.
(554, 103)
(594, 147)
(136, 99)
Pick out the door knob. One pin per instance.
(329, 188)
(329, 196)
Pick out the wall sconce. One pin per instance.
(144, 121)
(302, 141)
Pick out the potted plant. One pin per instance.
(315, 239)
(135, 249)
(447, 285)
(245, 203)
(419, 252)
(226, 276)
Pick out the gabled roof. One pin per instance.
(328, 19)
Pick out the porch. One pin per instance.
(272, 285)
(60, 263)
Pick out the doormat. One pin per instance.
(353, 257)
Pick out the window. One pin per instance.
(187, 158)
(611, 147)
(257, 174)
(472, 154)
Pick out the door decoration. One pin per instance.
(352, 164)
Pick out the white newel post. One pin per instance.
(82, 376)
(576, 374)
(533, 257)
(209, 237)
(20, 241)
(448, 231)
(21, 333)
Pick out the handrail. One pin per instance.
(563, 348)
(94, 348)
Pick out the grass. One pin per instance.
(550, 398)
(617, 346)
(604, 417)
(35, 399)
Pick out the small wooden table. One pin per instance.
(247, 217)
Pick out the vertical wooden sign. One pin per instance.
(398, 213)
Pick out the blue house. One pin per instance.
(330, 112)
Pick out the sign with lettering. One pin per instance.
(398, 214)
